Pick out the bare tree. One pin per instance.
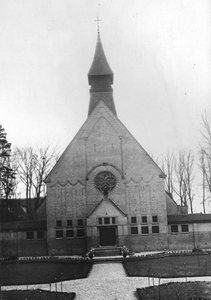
(203, 168)
(33, 166)
(25, 166)
(205, 158)
(44, 158)
(180, 190)
(168, 166)
(189, 178)
(184, 175)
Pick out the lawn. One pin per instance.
(172, 266)
(36, 295)
(175, 291)
(14, 273)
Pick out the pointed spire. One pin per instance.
(100, 78)
(100, 64)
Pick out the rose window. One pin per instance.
(105, 182)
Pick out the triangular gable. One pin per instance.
(102, 107)
(106, 207)
(102, 111)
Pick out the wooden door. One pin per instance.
(107, 236)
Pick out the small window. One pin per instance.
(80, 232)
(154, 219)
(144, 230)
(40, 235)
(69, 223)
(113, 220)
(107, 220)
(185, 228)
(59, 234)
(80, 222)
(100, 221)
(144, 219)
(58, 223)
(30, 235)
(134, 230)
(133, 220)
(155, 229)
(174, 228)
(70, 233)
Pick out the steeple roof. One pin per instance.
(100, 64)
(100, 78)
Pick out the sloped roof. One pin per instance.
(189, 218)
(101, 109)
(169, 195)
(100, 64)
(111, 202)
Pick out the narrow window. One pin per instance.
(80, 232)
(155, 229)
(30, 235)
(113, 220)
(80, 222)
(40, 235)
(185, 228)
(154, 219)
(134, 230)
(70, 233)
(107, 220)
(133, 220)
(174, 228)
(144, 219)
(144, 230)
(100, 221)
(59, 234)
(58, 223)
(69, 223)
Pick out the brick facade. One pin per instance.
(23, 238)
(104, 144)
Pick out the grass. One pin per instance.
(172, 266)
(36, 295)
(19, 273)
(175, 291)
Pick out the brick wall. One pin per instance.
(199, 236)
(15, 243)
(104, 144)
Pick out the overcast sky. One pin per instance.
(159, 51)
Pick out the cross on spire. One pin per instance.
(98, 25)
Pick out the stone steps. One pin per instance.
(107, 251)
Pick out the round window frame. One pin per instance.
(103, 182)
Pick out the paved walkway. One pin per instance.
(105, 282)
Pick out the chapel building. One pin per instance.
(105, 190)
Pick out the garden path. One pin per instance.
(106, 281)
